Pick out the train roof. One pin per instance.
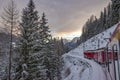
(101, 49)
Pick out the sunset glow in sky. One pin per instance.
(66, 17)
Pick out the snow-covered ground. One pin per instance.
(79, 68)
(76, 67)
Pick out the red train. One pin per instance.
(100, 55)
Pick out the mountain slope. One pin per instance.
(76, 67)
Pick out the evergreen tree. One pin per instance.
(104, 19)
(101, 21)
(47, 54)
(63, 48)
(115, 11)
(109, 12)
(51, 59)
(30, 64)
(46, 36)
(58, 55)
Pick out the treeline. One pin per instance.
(108, 17)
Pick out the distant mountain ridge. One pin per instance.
(74, 40)
(72, 44)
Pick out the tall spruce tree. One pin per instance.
(104, 19)
(51, 60)
(109, 12)
(60, 49)
(30, 66)
(46, 36)
(46, 46)
(101, 24)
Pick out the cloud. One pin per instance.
(65, 16)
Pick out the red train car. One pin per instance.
(100, 55)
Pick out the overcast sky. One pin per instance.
(66, 17)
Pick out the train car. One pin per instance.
(101, 55)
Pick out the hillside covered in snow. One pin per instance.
(76, 67)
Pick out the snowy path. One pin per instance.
(82, 69)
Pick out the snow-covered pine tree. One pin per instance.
(60, 49)
(36, 62)
(50, 56)
(101, 23)
(45, 34)
(104, 19)
(115, 11)
(109, 12)
(29, 47)
(52, 61)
